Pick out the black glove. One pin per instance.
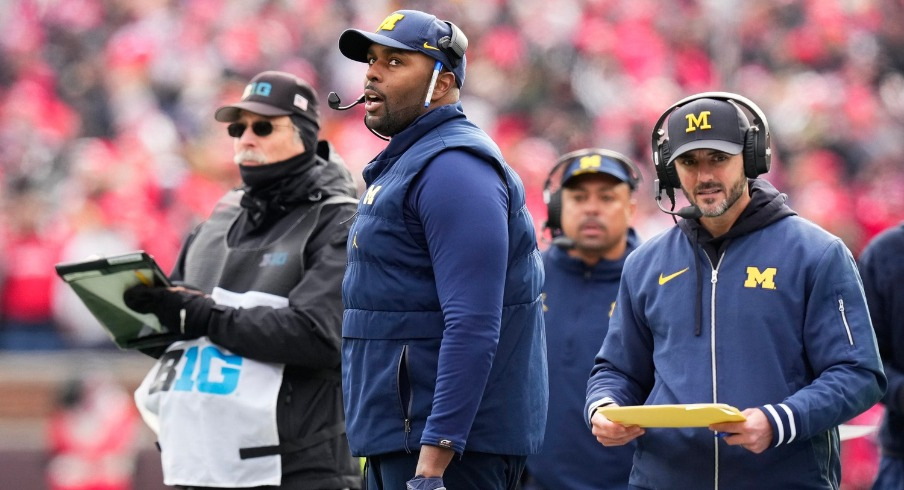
(423, 483)
(182, 310)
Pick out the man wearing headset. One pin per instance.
(742, 303)
(444, 355)
(589, 216)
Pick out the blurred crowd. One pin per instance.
(108, 142)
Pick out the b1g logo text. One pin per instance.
(260, 88)
(206, 369)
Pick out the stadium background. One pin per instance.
(108, 143)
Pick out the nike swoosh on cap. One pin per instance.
(427, 46)
(665, 279)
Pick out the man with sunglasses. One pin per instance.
(444, 355)
(251, 397)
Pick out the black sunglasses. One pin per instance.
(260, 128)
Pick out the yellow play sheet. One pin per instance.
(690, 415)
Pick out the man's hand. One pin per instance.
(423, 483)
(609, 433)
(753, 434)
(179, 309)
(432, 461)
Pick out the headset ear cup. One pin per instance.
(763, 152)
(665, 152)
(455, 45)
(751, 169)
(665, 172)
(671, 176)
(554, 212)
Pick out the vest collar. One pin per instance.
(401, 142)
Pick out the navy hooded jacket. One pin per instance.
(882, 269)
(771, 315)
(577, 302)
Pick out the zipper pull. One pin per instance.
(715, 277)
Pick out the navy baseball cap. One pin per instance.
(707, 123)
(598, 163)
(274, 93)
(411, 30)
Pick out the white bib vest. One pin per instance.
(206, 404)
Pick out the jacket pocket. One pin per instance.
(405, 393)
(844, 320)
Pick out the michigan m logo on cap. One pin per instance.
(590, 163)
(390, 22)
(697, 122)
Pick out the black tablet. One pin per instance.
(100, 283)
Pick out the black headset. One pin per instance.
(757, 151)
(454, 46)
(553, 196)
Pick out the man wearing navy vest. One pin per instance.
(444, 353)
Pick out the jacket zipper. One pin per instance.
(714, 279)
(402, 375)
(847, 327)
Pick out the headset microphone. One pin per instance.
(335, 103)
(563, 242)
(687, 212)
